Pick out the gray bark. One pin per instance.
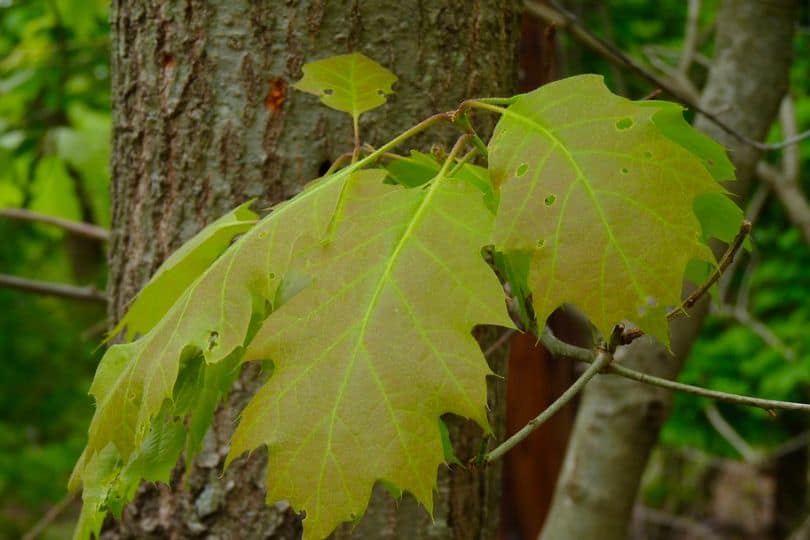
(619, 420)
(204, 118)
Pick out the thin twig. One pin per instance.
(744, 317)
(76, 227)
(690, 38)
(725, 260)
(89, 294)
(52, 513)
(689, 525)
(559, 348)
(731, 436)
(500, 342)
(562, 18)
(601, 361)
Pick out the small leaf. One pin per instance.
(366, 360)
(351, 83)
(414, 170)
(599, 191)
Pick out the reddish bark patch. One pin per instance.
(168, 61)
(275, 95)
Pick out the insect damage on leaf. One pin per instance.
(589, 198)
(351, 83)
(600, 192)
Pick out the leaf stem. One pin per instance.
(451, 157)
(339, 161)
(404, 136)
(601, 361)
(464, 160)
(356, 129)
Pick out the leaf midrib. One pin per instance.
(384, 277)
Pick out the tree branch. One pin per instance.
(89, 294)
(725, 261)
(559, 348)
(552, 13)
(76, 227)
(601, 360)
(52, 513)
(731, 436)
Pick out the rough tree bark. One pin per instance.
(619, 420)
(204, 119)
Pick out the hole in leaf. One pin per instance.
(642, 310)
(328, 91)
(624, 123)
(213, 340)
(648, 155)
(550, 199)
(541, 243)
(651, 301)
(522, 168)
(625, 170)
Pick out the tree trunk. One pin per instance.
(619, 420)
(205, 118)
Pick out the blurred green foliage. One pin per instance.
(54, 152)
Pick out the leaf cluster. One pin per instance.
(362, 291)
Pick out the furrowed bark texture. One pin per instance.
(204, 119)
(619, 420)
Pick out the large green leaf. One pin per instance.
(368, 357)
(181, 268)
(109, 482)
(602, 199)
(212, 317)
(351, 83)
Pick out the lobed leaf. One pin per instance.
(181, 268)
(367, 358)
(599, 191)
(351, 83)
(211, 317)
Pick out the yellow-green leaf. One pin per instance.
(368, 357)
(602, 200)
(351, 83)
(212, 316)
(180, 269)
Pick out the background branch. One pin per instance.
(554, 14)
(76, 227)
(90, 294)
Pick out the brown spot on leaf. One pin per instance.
(275, 95)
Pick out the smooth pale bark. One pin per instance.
(619, 420)
(204, 118)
